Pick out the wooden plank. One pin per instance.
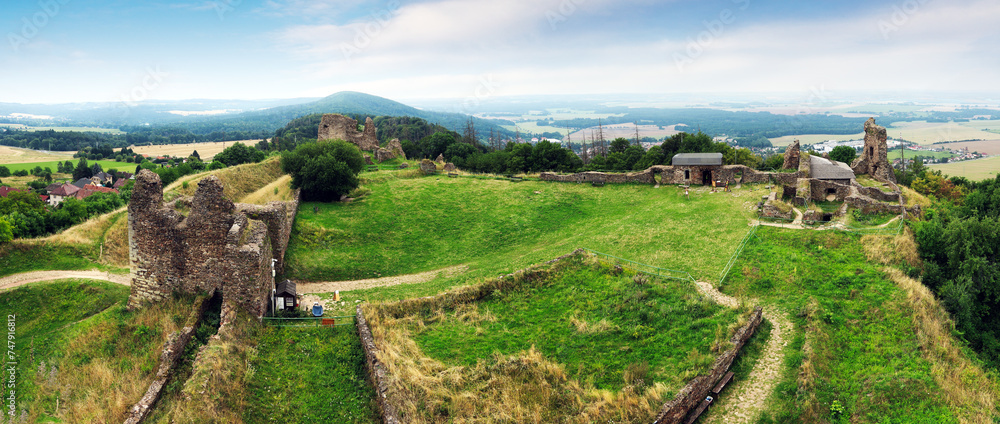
(722, 383)
(693, 416)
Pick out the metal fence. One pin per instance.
(643, 268)
(309, 322)
(736, 254)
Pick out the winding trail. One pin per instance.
(744, 400)
(17, 280)
(332, 286)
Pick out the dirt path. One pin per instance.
(743, 401)
(16, 280)
(332, 286)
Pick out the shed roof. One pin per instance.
(697, 159)
(826, 169)
(286, 287)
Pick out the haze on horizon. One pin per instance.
(60, 51)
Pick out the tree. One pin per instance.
(238, 154)
(324, 171)
(844, 154)
(195, 155)
(6, 234)
(619, 145)
(4, 171)
(82, 170)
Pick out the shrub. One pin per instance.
(324, 171)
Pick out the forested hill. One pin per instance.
(389, 127)
(263, 123)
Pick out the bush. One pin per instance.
(324, 171)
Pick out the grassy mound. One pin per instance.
(575, 341)
(258, 374)
(412, 225)
(854, 356)
(81, 356)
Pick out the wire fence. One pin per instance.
(643, 268)
(736, 254)
(333, 321)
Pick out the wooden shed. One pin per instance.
(284, 296)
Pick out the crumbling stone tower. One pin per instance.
(792, 155)
(218, 246)
(340, 127)
(874, 160)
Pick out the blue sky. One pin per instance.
(101, 50)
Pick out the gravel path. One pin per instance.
(332, 286)
(744, 399)
(16, 280)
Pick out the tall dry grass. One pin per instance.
(215, 392)
(278, 190)
(813, 365)
(238, 181)
(525, 387)
(971, 392)
(101, 376)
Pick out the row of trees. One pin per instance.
(23, 214)
(960, 243)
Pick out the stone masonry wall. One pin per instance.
(876, 193)
(695, 391)
(675, 175)
(819, 190)
(219, 246)
(340, 127)
(874, 158)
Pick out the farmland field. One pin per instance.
(923, 132)
(979, 169)
(18, 155)
(105, 164)
(206, 150)
(989, 147)
(814, 138)
(897, 153)
(77, 129)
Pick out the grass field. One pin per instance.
(205, 150)
(857, 324)
(10, 155)
(922, 132)
(897, 153)
(413, 225)
(979, 169)
(574, 341)
(105, 164)
(80, 356)
(989, 147)
(814, 138)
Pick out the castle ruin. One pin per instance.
(204, 243)
(340, 127)
(874, 160)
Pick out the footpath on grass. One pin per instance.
(744, 400)
(17, 280)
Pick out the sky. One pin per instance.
(61, 51)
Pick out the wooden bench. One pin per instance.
(372, 168)
(452, 175)
(722, 383)
(515, 179)
(694, 414)
(597, 183)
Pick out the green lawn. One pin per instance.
(494, 226)
(53, 165)
(910, 153)
(312, 375)
(16, 258)
(865, 353)
(594, 323)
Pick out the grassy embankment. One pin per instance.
(80, 356)
(868, 341)
(411, 225)
(571, 342)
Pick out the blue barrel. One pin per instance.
(317, 310)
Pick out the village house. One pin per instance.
(697, 168)
(60, 193)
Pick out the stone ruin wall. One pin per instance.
(689, 397)
(675, 175)
(219, 246)
(818, 190)
(874, 160)
(340, 127)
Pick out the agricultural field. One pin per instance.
(910, 153)
(922, 132)
(989, 147)
(77, 129)
(105, 164)
(577, 341)
(205, 150)
(814, 138)
(979, 169)
(991, 125)
(13, 155)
